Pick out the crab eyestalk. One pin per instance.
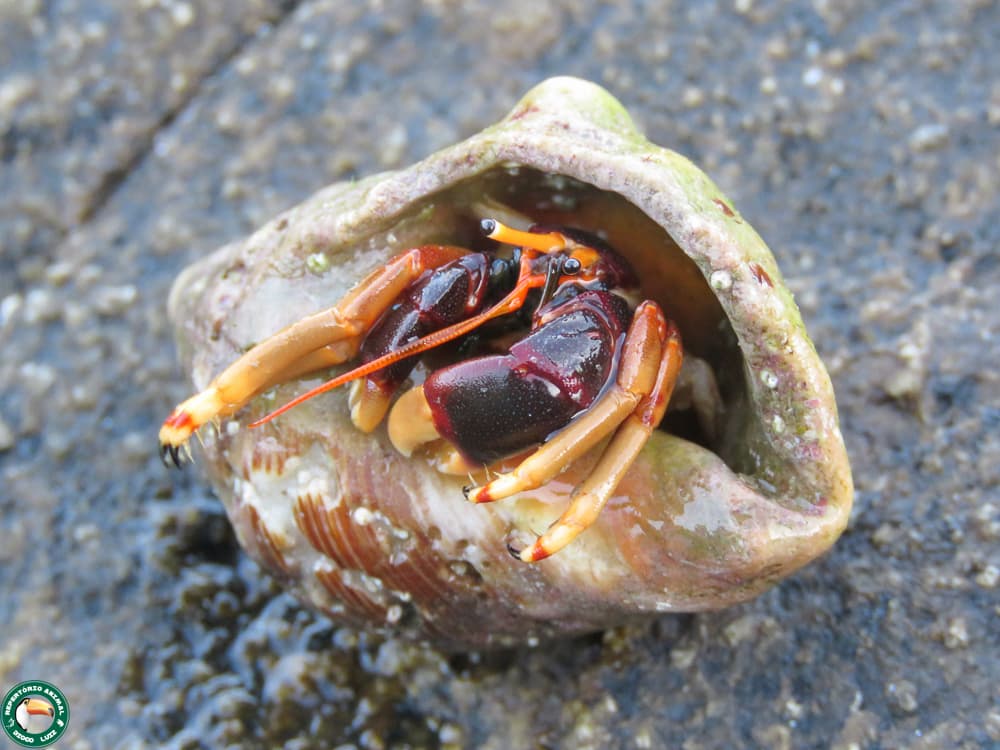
(746, 480)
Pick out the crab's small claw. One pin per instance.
(176, 430)
(531, 554)
(171, 456)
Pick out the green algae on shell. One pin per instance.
(703, 519)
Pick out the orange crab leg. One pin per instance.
(511, 303)
(594, 492)
(320, 340)
(543, 242)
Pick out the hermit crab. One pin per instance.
(588, 367)
(564, 348)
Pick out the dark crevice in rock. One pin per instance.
(114, 178)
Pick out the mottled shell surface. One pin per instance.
(368, 536)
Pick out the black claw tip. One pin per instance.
(488, 226)
(466, 490)
(514, 552)
(171, 456)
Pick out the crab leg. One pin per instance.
(636, 376)
(632, 408)
(549, 460)
(593, 493)
(320, 340)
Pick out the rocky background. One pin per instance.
(859, 137)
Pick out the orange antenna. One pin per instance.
(512, 302)
(545, 243)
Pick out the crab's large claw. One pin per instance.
(703, 519)
(629, 410)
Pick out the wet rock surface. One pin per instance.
(859, 139)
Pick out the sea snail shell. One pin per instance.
(366, 535)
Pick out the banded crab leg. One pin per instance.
(631, 409)
(323, 339)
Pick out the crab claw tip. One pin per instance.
(476, 494)
(171, 456)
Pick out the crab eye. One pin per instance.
(571, 266)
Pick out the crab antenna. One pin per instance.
(545, 243)
(512, 302)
